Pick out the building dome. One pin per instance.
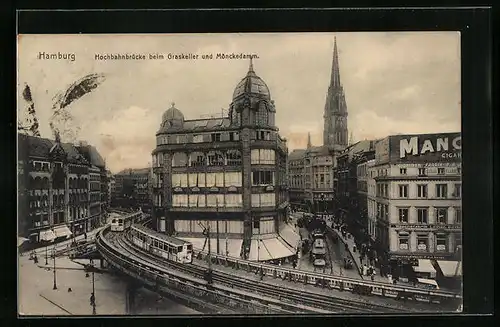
(252, 84)
(172, 114)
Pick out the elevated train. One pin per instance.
(161, 245)
(158, 244)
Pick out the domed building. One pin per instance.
(225, 174)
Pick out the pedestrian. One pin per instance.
(85, 235)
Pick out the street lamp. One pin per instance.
(93, 287)
(54, 256)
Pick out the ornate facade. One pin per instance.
(60, 191)
(224, 174)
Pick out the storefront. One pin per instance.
(62, 232)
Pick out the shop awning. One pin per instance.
(425, 266)
(61, 231)
(289, 235)
(47, 235)
(277, 248)
(21, 240)
(233, 245)
(450, 268)
(259, 253)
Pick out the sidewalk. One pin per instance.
(64, 244)
(356, 256)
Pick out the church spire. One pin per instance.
(335, 134)
(335, 75)
(309, 145)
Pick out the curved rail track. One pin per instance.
(300, 298)
(227, 297)
(285, 299)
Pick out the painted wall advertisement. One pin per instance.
(443, 147)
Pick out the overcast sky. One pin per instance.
(394, 83)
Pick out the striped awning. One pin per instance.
(258, 252)
(425, 266)
(61, 231)
(47, 235)
(21, 240)
(289, 235)
(278, 248)
(450, 268)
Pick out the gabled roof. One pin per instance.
(92, 155)
(296, 154)
(38, 147)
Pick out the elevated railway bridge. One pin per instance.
(239, 286)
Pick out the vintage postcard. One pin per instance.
(236, 174)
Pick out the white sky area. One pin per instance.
(394, 82)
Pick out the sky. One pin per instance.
(394, 83)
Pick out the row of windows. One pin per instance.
(221, 200)
(422, 171)
(262, 117)
(223, 179)
(263, 200)
(198, 138)
(441, 242)
(262, 178)
(382, 190)
(441, 191)
(213, 137)
(95, 197)
(439, 171)
(58, 200)
(262, 157)
(43, 166)
(198, 226)
(198, 159)
(422, 217)
(263, 225)
(207, 200)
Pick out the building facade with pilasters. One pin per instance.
(226, 175)
(418, 198)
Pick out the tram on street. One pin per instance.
(318, 253)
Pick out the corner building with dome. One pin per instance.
(228, 173)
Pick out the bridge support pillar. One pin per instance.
(130, 297)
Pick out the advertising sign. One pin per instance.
(444, 147)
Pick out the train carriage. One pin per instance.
(162, 245)
(123, 223)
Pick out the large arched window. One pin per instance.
(179, 159)
(233, 158)
(215, 158)
(197, 159)
(235, 117)
(261, 115)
